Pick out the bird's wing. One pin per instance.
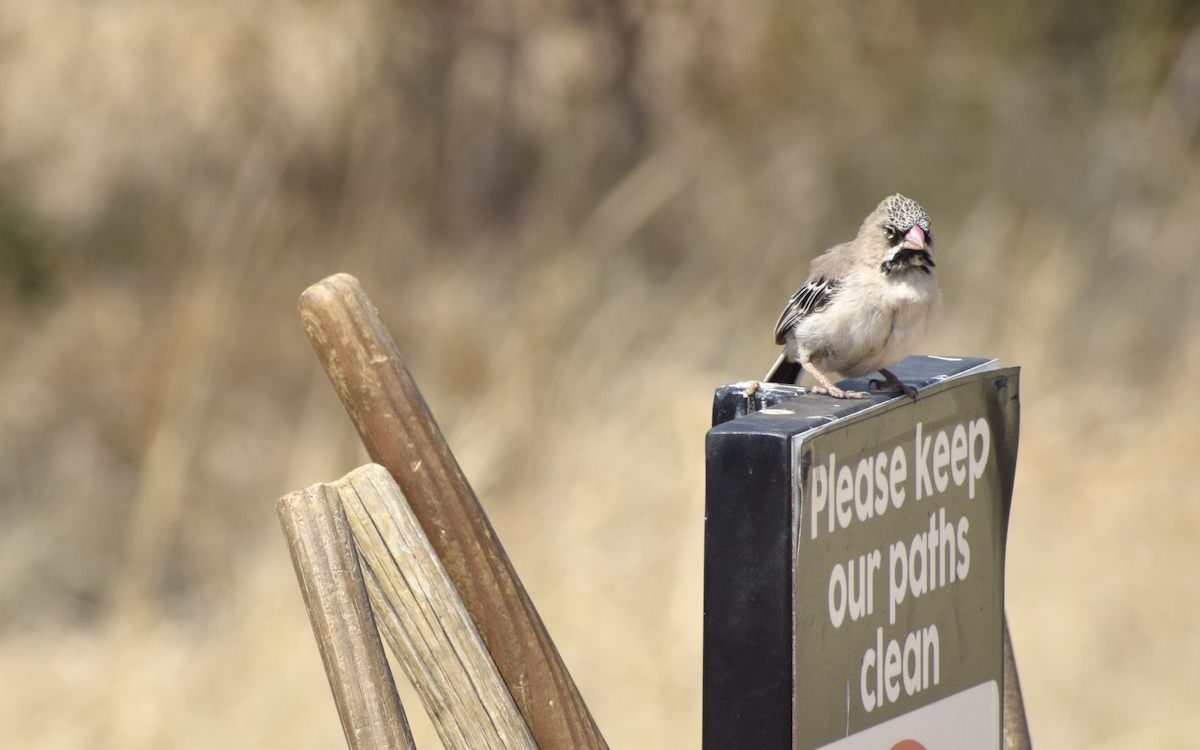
(814, 295)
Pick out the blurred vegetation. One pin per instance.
(577, 219)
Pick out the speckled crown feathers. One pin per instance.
(904, 214)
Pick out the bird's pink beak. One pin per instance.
(916, 238)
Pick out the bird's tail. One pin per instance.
(784, 371)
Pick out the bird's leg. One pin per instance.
(894, 383)
(826, 386)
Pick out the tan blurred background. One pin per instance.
(577, 217)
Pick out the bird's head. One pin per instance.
(898, 233)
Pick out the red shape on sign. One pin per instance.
(908, 745)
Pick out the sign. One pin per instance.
(854, 563)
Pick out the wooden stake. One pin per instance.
(399, 432)
(1016, 729)
(424, 620)
(336, 597)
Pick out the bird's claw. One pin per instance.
(836, 392)
(894, 383)
(751, 403)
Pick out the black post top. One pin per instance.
(740, 399)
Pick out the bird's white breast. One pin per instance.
(873, 322)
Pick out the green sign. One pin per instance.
(899, 569)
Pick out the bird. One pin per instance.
(866, 303)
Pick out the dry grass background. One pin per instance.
(577, 218)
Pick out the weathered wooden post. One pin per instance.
(400, 433)
(331, 580)
(854, 565)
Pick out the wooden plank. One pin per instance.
(424, 620)
(400, 433)
(340, 612)
(1016, 729)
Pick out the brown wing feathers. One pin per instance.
(813, 296)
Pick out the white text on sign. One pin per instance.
(938, 556)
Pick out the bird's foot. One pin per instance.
(836, 392)
(751, 402)
(826, 387)
(893, 382)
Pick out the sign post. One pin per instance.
(854, 563)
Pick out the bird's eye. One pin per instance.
(891, 233)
